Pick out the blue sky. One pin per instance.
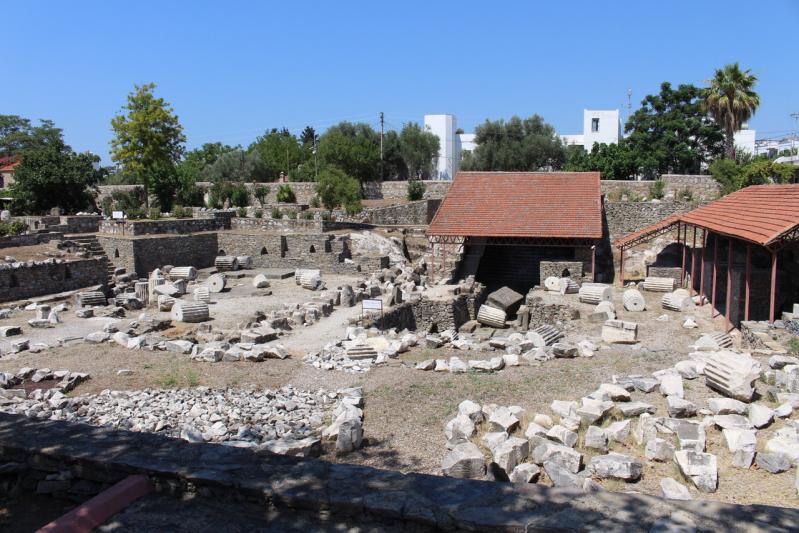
(234, 69)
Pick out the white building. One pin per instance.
(599, 127)
(744, 140)
(446, 164)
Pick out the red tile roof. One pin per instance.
(758, 214)
(8, 163)
(521, 204)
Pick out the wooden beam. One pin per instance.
(593, 263)
(773, 297)
(684, 250)
(702, 265)
(621, 267)
(715, 268)
(728, 306)
(693, 265)
(747, 280)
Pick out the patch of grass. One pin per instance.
(793, 347)
(168, 379)
(192, 379)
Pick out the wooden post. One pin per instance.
(693, 264)
(684, 249)
(432, 262)
(773, 299)
(746, 281)
(621, 266)
(729, 285)
(702, 265)
(593, 263)
(715, 268)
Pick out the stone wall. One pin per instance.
(701, 187)
(557, 269)
(324, 251)
(626, 217)
(29, 239)
(553, 314)
(214, 221)
(144, 254)
(666, 272)
(43, 278)
(426, 315)
(409, 214)
(312, 491)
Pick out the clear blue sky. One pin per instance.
(233, 69)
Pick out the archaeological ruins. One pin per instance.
(517, 351)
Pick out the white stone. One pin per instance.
(760, 416)
(618, 431)
(511, 452)
(525, 473)
(464, 461)
(700, 468)
(596, 438)
(615, 466)
(726, 406)
(658, 449)
(671, 385)
(671, 489)
(562, 435)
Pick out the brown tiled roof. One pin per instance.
(8, 163)
(521, 204)
(758, 214)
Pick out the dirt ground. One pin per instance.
(407, 409)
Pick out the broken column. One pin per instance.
(216, 283)
(142, 289)
(545, 335)
(655, 284)
(190, 312)
(185, 272)
(732, 374)
(90, 298)
(226, 263)
(491, 316)
(620, 332)
(202, 294)
(504, 299)
(679, 300)
(568, 286)
(633, 300)
(593, 293)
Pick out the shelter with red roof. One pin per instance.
(7, 167)
(504, 224)
(745, 245)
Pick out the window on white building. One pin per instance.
(594, 125)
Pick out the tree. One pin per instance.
(334, 188)
(732, 101)
(18, 136)
(148, 137)
(239, 166)
(418, 148)
(671, 133)
(308, 137)
(280, 151)
(393, 164)
(352, 148)
(519, 144)
(732, 175)
(614, 161)
(54, 175)
(208, 153)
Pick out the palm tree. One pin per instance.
(731, 101)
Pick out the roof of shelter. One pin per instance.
(521, 204)
(762, 214)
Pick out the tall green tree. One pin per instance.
(148, 138)
(731, 100)
(671, 132)
(614, 161)
(334, 188)
(352, 148)
(207, 154)
(418, 148)
(54, 176)
(393, 164)
(519, 144)
(18, 135)
(238, 166)
(280, 151)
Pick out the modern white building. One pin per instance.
(600, 126)
(744, 140)
(443, 126)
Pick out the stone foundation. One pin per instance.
(39, 279)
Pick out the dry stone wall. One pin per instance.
(142, 255)
(215, 221)
(626, 217)
(38, 279)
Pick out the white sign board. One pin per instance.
(372, 305)
(117, 215)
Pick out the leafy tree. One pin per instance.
(54, 175)
(280, 151)
(418, 148)
(148, 138)
(308, 137)
(614, 161)
(728, 174)
(353, 149)
(671, 133)
(240, 196)
(731, 100)
(732, 175)
(285, 194)
(207, 154)
(394, 167)
(519, 144)
(18, 135)
(335, 188)
(415, 190)
(239, 166)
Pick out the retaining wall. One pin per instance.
(28, 281)
(626, 217)
(29, 239)
(144, 254)
(214, 221)
(354, 494)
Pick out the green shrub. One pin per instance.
(241, 212)
(261, 193)
(219, 193)
(285, 194)
(12, 228)
(315, 202)
(794, 346)
(326, 216)
(240, 196)
(657, 189)
(137, 213)
(259, 213)
(686, 194)
(291, 215)
(307, 215)
(107, 205)
(182, 212)
(154, 213)
(415, 190)
(190, 195)
(125, 201)
(276, 214)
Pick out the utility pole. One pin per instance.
(381, 145)
(794, 116)
(315, 166)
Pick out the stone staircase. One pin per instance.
(88, 243)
